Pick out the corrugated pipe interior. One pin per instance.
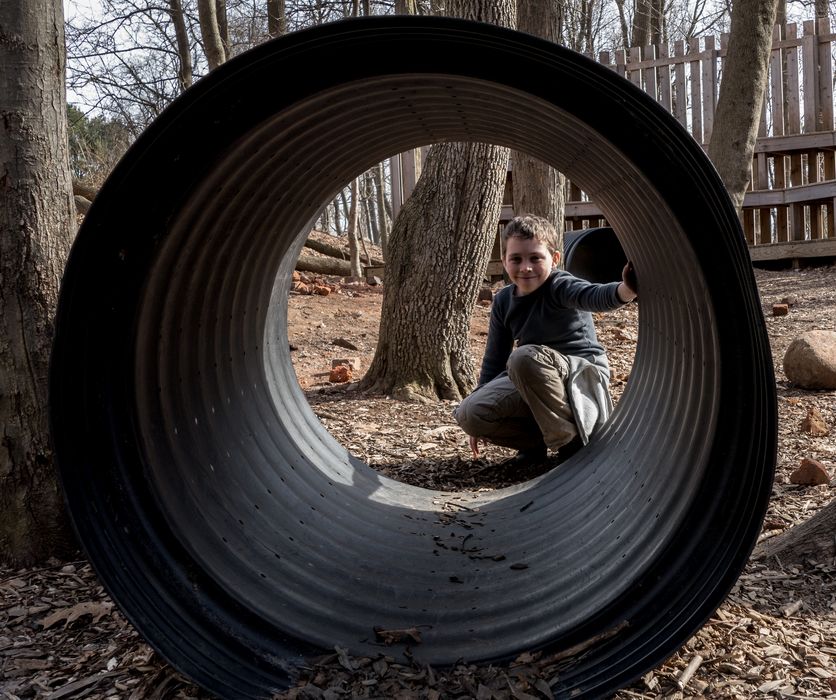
(239, 537)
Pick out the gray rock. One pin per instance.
(810, 360)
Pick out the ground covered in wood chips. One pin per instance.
(774, 637)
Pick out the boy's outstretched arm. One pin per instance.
(628, 290)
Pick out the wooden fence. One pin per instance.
(788, 211)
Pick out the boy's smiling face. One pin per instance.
(528, 263)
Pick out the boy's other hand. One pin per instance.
(629, 288)
(474, 447)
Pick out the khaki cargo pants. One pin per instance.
(525, 407)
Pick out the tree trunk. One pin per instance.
(338, 222)
(648, 22)
(369, 207)
(223, 26)
(380, 182)
(815, 538)
(622, 21)
(538, 188)
(658, 23)
(345, 209)
(354, 231)
(438, 252)
(406, 7)
(821, 9)
(738, 110)
(36, 230)
(184, 54)
(365, 250)
(437, 255)
(324, 223)
(640, 36)
(781, 16)
(207, 12)
(587, 12)
(276, 18)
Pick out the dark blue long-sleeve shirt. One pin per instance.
(556, 314)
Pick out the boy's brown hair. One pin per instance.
(531, 226)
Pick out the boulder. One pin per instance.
(486, 294)
(353, 363)
(810, 473)
(340, 374)
(810, 360)
(814, 423)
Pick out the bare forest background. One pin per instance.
(128, 59)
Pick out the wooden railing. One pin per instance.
(789, 209)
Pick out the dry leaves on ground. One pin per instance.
(774, 637)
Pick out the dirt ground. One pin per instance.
(774, 637)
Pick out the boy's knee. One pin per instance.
(470, 415)
(536, 363)
(524, 362)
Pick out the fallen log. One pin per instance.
(82, 204)
(334, 251)
(81, 190)
(323, 266)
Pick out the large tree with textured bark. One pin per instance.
(438, 252)
(36, 230)
(538, 188)
(742, 89)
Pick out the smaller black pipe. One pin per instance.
(594, 254)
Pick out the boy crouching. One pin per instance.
(544, 382)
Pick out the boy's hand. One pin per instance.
(629, 288)
(474, 447)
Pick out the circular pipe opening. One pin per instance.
(239, 536)
(594, 254)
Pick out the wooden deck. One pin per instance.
(797, 250)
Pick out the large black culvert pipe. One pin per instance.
(234, 531)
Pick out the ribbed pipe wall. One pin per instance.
(239, 536)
